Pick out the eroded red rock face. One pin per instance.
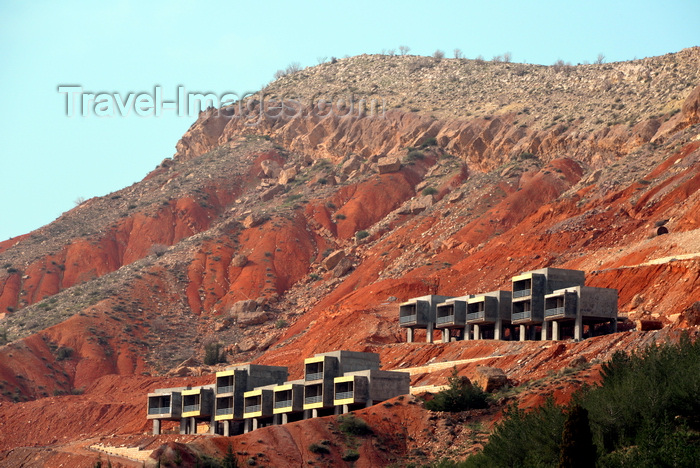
(158, 276)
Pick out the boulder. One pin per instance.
(240, 307)
(239, 261)
(350, 165)
(647, 325)
(490, 378)
(253, 219)
(421, 203)
(271, 169)
(252, 318)
(387, 165)
(271, 192)
(287, 176)
(342, 267)
(691, 107)
(333, 259)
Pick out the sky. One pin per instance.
(49, 159)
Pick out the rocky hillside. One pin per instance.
(280, 237)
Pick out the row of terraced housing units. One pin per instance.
(549, 303)
(247, 397)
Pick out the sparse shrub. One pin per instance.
(432, 141)
(403, 50)
(340, 216)
(429, 191)
(527, 155)
(414, 155)
(159, 249)
(359, 235)
(460, 395)
(507, 57)
(352, 425)
(458, 53)
(281, 323)
(64, 353)
(318, 449)
(438, 54)
(350, 455)
(314, 277)
(323, 181)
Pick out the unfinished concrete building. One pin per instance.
(451, 318)
(579, 306)
(231, 386)
(529, 290)
(288, 401)
(258, 407)
(420, 312)
(322, 369)
(164, 404)
(197, 406)
(360, 389)
(488, 314)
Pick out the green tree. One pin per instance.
(460, 395)
(577, 448)
(229, 460)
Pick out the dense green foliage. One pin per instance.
(645, 413)
(352, 425)
(460, 395)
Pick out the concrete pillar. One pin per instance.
(285, 418)
(314, 413)
(227, 428)
(193, 426)
(156, 427)
(307, 414)
(578, 328)
(445, 335)
(614, 325)
(345, 409)
(467, 332)
(556, 332)
(545, 331)
(522, 332)
(255, 423)
(477, 332)
(212, 424)
(429, 333)
(498, 329)
(183, 426)
(409, 335)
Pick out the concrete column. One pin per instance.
(409, 335)
(545, 331)
(156, 427)
(314, 413)
(429, 333)
(345, 409)
(556, 333)
(477, 332)
(212, 424)
(193, 426)
(498, 329)
(307, 414)
(285, 418)
(445, 335)
(183, 426)
(614, 325)
(467, 332)
(522, 332)
(246, 426)
(578, 327)
(255, 423)
(227, 428)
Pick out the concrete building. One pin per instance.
(529, 290)
(420, 312)
(288, 401)
(231, 386)
(257, 408)
(322, 369)
(164, 404)
(197, 406)
(488, 313)
(360, 389)
(451, 317)
(579, 306)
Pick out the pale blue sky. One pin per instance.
(48, 160)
